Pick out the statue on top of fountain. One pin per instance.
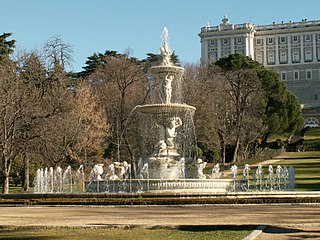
(164, 49)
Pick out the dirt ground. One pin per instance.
(293, 221)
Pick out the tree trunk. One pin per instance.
(223, 153)
(236, 150)
(133, 162)
(5, 189)
(26, 185)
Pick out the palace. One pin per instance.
(292, 49)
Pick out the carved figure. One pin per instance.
(166, 89)
(174, 123)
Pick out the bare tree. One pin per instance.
(57, 52)
(247, 98)
(11, 115)
(121, 86)
(200, 88)
(90, 123)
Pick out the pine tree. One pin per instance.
(6, 46)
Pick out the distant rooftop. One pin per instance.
(225, 25)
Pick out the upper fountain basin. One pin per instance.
(165, 108)
(166, 69)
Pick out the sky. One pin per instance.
(98, 25)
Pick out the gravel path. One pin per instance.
(293, 216)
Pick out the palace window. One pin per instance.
(295, 39)
(271, 58)
(318, 53)
(296, 75)
(283, 76)
(212, 42)
(309, 74)
(308, 55)
(259, 41)
(311, 122)
(295, 56)
(307, 38)
(226, 41)
(213, 57)
(239, 40)
(283, 39)
(259, 57)
(283, 57)
(270, 41)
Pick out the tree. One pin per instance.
(276, 99)
(57, 53)
(11, 115)
(279, 119)
(120, 84)
(90, 122)
(98, 60)
(200, 90)
(246, 98)
(6, 46)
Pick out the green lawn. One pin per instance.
(312, 133)
(307, 170)
(194, 233)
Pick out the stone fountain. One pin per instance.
(168, 162)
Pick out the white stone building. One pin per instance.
(292, 49)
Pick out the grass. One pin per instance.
(307, 170)
(184, 233)
(312, 133)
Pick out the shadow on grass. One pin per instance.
(14, 235)
(301, 158)
(295, 233)
(208, 228)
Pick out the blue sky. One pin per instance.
(99, 25)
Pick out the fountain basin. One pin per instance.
(159, 185)
(165, 108)
(163, 70)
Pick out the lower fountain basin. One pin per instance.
(159, 185)
(165, 108)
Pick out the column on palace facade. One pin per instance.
(232, 40)
(204, 50)
(251, 44)
(277, 56)
(301, 49)
(247, 45)
(314, 47)
(264, 41)
(289, 49)
(218, 48)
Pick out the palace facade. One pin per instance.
(292, 49)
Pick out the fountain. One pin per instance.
(167, 162)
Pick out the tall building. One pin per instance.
(292, 49)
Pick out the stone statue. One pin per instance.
(166, 89)
(165, 50)
(216, 168)
(167, 134)
(97, 171)
(200, 167)
(170, 134)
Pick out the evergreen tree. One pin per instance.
(6, 46)
(282, 113)
(98, 60)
